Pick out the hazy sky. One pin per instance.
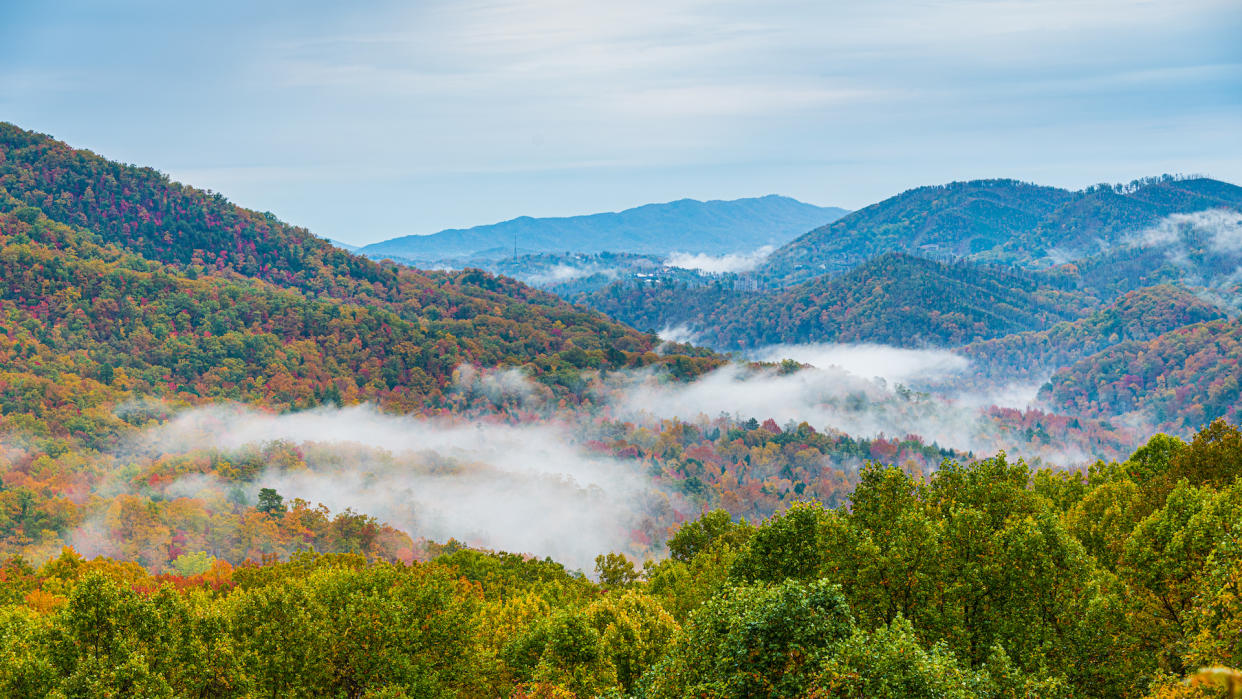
(368, 120)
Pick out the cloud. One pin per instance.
(1187, 238)
(1020, 395)
(835, 399)
(559, 273)
(1224, 227)
(719, 264)
(893, 364)
(1220, 228)
(680, 334)
(528, 488)
(499, 386)
(938, 372)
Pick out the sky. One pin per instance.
(370, 120)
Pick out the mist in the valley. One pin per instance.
(939, 372)
(536, 487)
(523, 488)
(893, 364)
(679, 334)
(853, 402)
(1221, 229)
(558, 273)
(561, 273)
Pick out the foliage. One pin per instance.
(981, 579)
(895, 299)
(1183, 379)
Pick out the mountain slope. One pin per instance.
(956, 219)
(894, 298)
(1001, 220)
(1139, 315)
(1179, 381)
(1099, 217)
(126, 299)
(686, 225)
(465, 317)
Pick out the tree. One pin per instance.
(699, 535)
(753, 641)
(270, 502)
(889, 663)
(190, 564)
(615, 570)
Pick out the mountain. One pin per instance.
(154, 275)
(128, 299)
(994, 220)
(1165, 230)
(1139, 315)
(894, 298)
(686, 225)
(1179, 381)
(1097, 218)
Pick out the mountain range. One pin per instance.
(1108, 291)
(687, 225)
(118, 276)
(179, 375)
(893, 298)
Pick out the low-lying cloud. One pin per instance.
(835, 399)
(719, 264)
(680, 334)
(559, 273)
(528, 488)
(1220, 228)
(893, 364)
(1205, 246)
(538, 487)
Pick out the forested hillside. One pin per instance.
(1139, 315)
(476, 317)
(894, 299)
(100, 343)
(1023, 281)
(1177, 380)
(995, 220)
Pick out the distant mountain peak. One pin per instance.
(684, 225)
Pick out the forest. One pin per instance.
(237, 461)
(894, 299)
(982, 579)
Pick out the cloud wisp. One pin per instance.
(867, 360)
(680, 334)
(1220, 229)
(719, 264)
(1207, 247)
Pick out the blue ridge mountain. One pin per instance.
(996, 220)
(687, 225)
